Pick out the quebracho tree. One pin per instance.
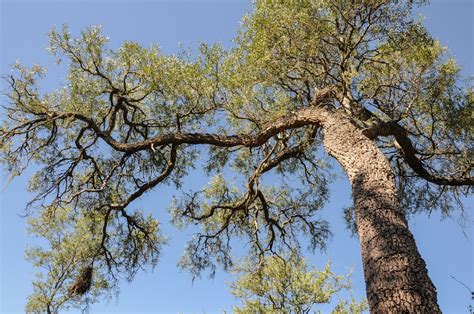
(360, 78)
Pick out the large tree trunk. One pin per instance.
(395, 274)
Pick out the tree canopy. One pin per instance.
(287, 285)
(130, 120)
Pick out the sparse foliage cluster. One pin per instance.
(288, 285)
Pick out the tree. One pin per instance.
(362, 79)
(286, 285)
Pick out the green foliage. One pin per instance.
(274, 219)
(75, 242)
(288, 285)
(63, 260)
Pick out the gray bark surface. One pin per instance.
(396, 275)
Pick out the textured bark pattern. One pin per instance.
(396, 275)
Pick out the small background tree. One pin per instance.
(289, 285)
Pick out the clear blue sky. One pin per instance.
(24, 25)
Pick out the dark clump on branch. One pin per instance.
(83, 282)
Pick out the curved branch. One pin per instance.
(409, 153)
(306, 116)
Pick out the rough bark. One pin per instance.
(395, 274)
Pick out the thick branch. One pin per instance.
(409, 153)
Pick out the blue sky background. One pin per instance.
(24, 27)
